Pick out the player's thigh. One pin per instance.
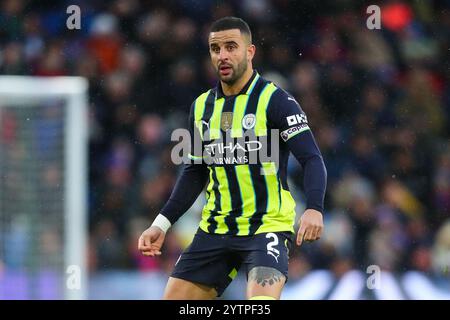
(179, 289)
(265, 282)
(206, 263)
(267, 264)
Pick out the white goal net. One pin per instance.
(43, 181)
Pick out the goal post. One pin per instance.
(43, 187)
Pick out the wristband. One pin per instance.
(162, 222)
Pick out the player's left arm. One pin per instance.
(287, 116)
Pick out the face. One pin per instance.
(230, 53)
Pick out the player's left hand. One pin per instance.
(311, 226)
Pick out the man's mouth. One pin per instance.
(225, 70)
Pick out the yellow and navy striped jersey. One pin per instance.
(246, 188)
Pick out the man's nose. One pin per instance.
(223, 55)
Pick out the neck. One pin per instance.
(235, 88)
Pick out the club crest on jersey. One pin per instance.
(249, 121)
(226, 121)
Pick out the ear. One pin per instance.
(251, 50)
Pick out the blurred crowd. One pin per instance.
(378, 103)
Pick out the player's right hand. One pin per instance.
(150, 242)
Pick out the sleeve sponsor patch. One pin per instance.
(297, 119)
(293, 131)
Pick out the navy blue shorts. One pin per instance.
(213, 260)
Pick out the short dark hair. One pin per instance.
(228, 23)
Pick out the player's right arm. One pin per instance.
(188, 187)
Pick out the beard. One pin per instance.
(236, 74)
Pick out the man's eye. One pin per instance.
(229, 48)
(215, 49)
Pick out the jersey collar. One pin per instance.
(247, 89)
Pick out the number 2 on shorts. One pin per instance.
(270, 246)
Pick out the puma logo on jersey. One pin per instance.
(205, 123)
